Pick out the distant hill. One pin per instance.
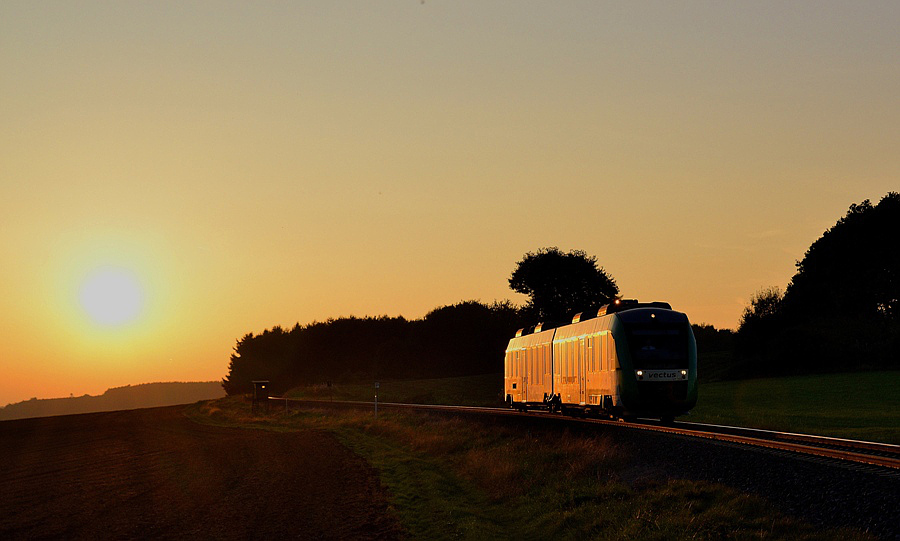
(146, 395)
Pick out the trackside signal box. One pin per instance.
(260, 394)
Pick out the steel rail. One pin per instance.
(878, 454)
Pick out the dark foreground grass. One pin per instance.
(455, 479)
(862, 405)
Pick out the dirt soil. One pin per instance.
(155, 474)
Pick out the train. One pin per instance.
(628, 359)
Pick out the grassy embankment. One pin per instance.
(862, 405)
(453, 478)
(856, 406)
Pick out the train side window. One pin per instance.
(526, 357)
(576, 355)
(602, 348)
(547, 359)
(573, 358)
(546, 366)
(540, 374)
(590, 354)
(561, 349)
(556, 359)
(546, 352)
(523, 362)
(563, 366)
(532, 362)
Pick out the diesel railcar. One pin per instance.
(629, 359)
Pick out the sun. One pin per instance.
(112, 296)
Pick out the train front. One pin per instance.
(658, 362)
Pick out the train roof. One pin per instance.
(583, 322)
(620, 305)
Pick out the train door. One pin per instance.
(548, 369)
(582, 369)
(523, 363)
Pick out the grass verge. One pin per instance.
(860, 405)
(455, 479)
(484, 390)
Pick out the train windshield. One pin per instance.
(658, 347)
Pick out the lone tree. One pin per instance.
(561, 284)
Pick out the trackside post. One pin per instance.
(376, 400)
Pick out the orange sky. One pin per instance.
(244, 166)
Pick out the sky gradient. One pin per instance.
(254, 165)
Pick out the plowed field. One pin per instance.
(155, 474)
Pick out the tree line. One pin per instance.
(467, 338)
(840, 312)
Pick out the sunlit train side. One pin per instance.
(631, 359)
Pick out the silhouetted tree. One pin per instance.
(715, 352)
(854, 268)
(764, 304)
(759, 332)
(841, 309)
(561, 284)
(482, 331)
(712, 339)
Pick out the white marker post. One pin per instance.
(376, 400)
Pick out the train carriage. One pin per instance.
(629, 359)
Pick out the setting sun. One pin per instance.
(112, 296)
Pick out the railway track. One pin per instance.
(882, 455)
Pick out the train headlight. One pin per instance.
(640, 374)
(684, 373)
